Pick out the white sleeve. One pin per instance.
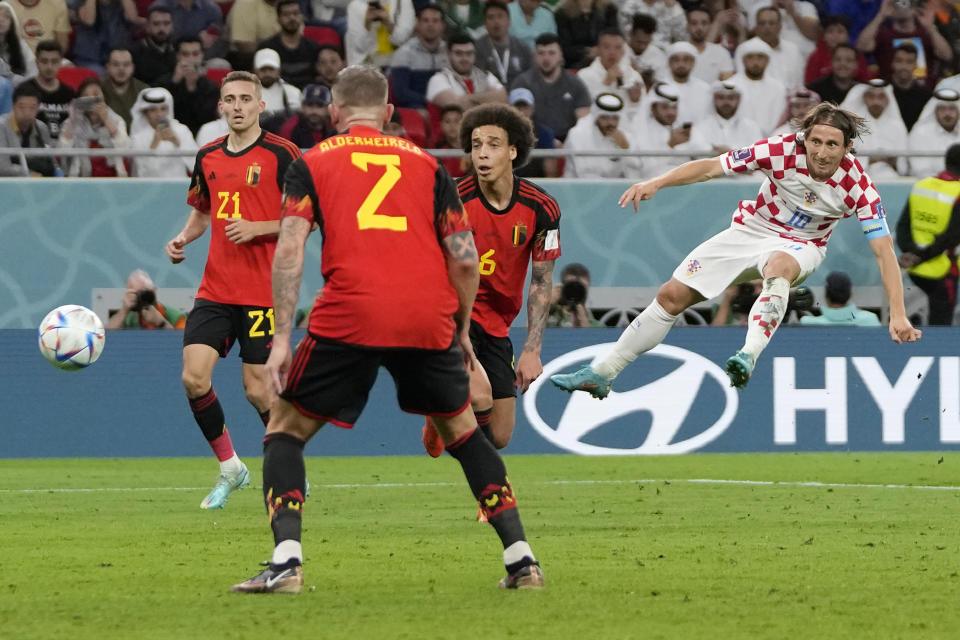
(358, 43)
(403, 22)
(494, 81)
(437, 84)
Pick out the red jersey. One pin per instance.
(529, 226)
(384, 207)
(245, 185)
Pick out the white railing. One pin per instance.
(440, 153)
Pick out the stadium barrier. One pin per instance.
(814, 389)
(63, 239)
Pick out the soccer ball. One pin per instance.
(71, 337)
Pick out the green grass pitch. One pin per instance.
(632, 547)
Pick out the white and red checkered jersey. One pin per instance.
(792, 204)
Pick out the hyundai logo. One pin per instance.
(668, 400)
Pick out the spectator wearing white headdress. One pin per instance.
(875, 102)
(799, 20)
(153, 127)
(761, 97)
(786, 62)
(656, 127)
(610, 71)
(600, 130)
(799, 101)
(936, 130)
(692, 92)
(725, 128)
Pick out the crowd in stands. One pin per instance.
(642, 75)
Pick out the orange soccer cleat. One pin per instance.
(431, 439)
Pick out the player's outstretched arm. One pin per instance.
(463, 271)
(246, 230)
(286, 274)
(197, 223)
(900, 328)
(687, 173)
(529, 366)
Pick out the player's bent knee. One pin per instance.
(195, 384)
(675, 297)
(286, 418)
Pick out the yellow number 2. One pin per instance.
(367, 216)
(487, 263)
(257, 316)
(225, 198)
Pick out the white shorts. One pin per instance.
(737, 255)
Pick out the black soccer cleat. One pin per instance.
(283, 579)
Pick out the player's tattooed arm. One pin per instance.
(460, 246)
(463, 271)
(538, 303)
(288, 271)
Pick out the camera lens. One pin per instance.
(573, 293)
(145, 298)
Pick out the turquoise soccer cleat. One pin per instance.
(224, 487)
(739, 368)
(585, 379)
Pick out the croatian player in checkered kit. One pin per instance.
(812, 181)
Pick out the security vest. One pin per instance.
(931, 205)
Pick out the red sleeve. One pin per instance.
(449, 214)
(300, 193)
(198, 196)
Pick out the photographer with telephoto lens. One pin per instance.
(568, 306)
(140, 308)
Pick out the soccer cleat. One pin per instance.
(224, 487)
(528, 577)
(585, 379)
(273, 580)
(739, 368)
(431, 439)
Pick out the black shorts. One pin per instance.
(496, 357)
(220, 325)
(331, 380)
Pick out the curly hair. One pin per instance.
(849, 123)
(518, 127)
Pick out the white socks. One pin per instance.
(286, 550)
(231, 466)
(517, 552)
(644, 333)
(766, 315)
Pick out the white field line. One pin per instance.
(405, 485)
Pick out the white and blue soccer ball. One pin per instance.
(71, 337)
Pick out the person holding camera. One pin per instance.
(906, 20)
(568, 304)
(93, 125)
(154, 128)
(375, 28)
(140, 308)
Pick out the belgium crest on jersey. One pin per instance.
(253, 175)
(519, 234)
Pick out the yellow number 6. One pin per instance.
(367, 216)
(487, 263)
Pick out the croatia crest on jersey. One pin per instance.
(809, 197)
(693, 266)
(253, 175)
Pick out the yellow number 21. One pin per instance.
(367, 216)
